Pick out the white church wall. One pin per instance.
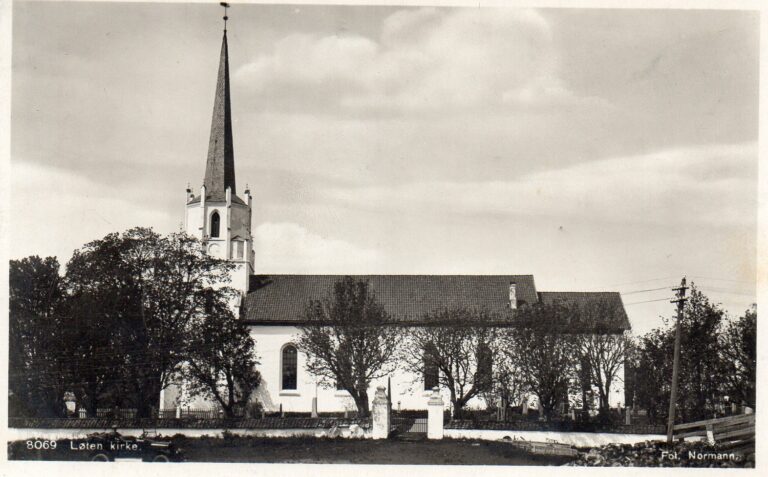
(407, 390)
(194, 220)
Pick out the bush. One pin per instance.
(253, 410)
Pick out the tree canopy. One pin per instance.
(349, 339)
(117, 326)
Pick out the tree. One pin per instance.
(651, 370)
(543, 348)
(739, 350)
(36, 378)
(702, 370)
(349, 339)
(602, 351)
(220, 360)
(460, 343)
(136, 296)
(506, 389)
(704, 367)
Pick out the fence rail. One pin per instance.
(221, 423)
(732, 429)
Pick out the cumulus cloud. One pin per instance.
(424, 59)
(705, 185)
(55, 211)
(290, 248)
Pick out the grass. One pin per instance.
(358, 451)
(310, 450)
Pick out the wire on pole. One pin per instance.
(676, 362)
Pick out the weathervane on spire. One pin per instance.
(225, 5)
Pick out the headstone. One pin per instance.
(748, 410)
(380, 414)
(525, 407)
(435, 415)
(628, 417)
(314, 407)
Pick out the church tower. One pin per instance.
(218, 216)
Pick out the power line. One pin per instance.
(724, 279)
(643, 291)
(646, 301)
(641, 281)
(723, 290)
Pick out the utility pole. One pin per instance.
(680, 300)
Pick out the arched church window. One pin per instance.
(289, 367)
(215, 224)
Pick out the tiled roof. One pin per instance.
(283, 298)
(612, 299)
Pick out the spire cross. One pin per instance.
(225, 5)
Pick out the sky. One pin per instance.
(599, 150)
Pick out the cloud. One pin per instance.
(290, 248)
(54, 211)
(424, 60)
(704, 185)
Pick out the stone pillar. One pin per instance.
(314, 407)
(435, 415)
(380, 414)
(628, 417)
(525, 406)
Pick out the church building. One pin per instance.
(272, 305)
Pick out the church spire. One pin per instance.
(220, 167)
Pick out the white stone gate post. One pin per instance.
(380, 414)
(435, 415)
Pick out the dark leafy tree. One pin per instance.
(739, 352)
(705, 370)
(349, 340)
(461, 344)
(36, 378)
(702, 369)
(650, 365)
(221, 361)
(544, 349)
(136, 296)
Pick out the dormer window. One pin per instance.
(215, 225)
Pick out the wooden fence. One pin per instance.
(731, 430)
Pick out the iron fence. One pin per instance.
(409, 422)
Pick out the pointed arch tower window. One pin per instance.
(215, 224)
